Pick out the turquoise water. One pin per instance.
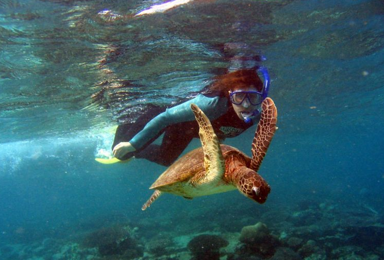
(72, 70)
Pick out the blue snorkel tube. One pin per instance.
(264, 93)
(267, 81)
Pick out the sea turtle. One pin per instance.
(215, 167)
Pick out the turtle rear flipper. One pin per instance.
(154, 197)
(264, 133)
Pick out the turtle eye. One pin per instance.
(256, 190)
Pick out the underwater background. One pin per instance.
(70, 71)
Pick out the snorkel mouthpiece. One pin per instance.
(247, 117)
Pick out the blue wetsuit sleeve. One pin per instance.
(213, 107)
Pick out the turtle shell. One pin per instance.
(192, 164)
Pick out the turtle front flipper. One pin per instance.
(214, 163)
(264, 133)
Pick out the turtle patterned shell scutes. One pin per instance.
(191, 166)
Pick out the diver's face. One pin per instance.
(245, 109)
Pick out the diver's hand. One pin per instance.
(122, 149)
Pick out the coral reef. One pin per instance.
(258, 240)
(159, 245)
(285, 253)
(336, 233)
(114, 240)
(206, 247)
(310, 249)
(368, 237)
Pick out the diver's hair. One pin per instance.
(235, 80)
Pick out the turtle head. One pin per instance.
(253, 186)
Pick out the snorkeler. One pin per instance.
(232, 103)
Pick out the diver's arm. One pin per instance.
(213, 107)
(122, 149)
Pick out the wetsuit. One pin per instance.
(179, 127)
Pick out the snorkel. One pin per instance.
(248, 117)
(267, 81)
(264, 94)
